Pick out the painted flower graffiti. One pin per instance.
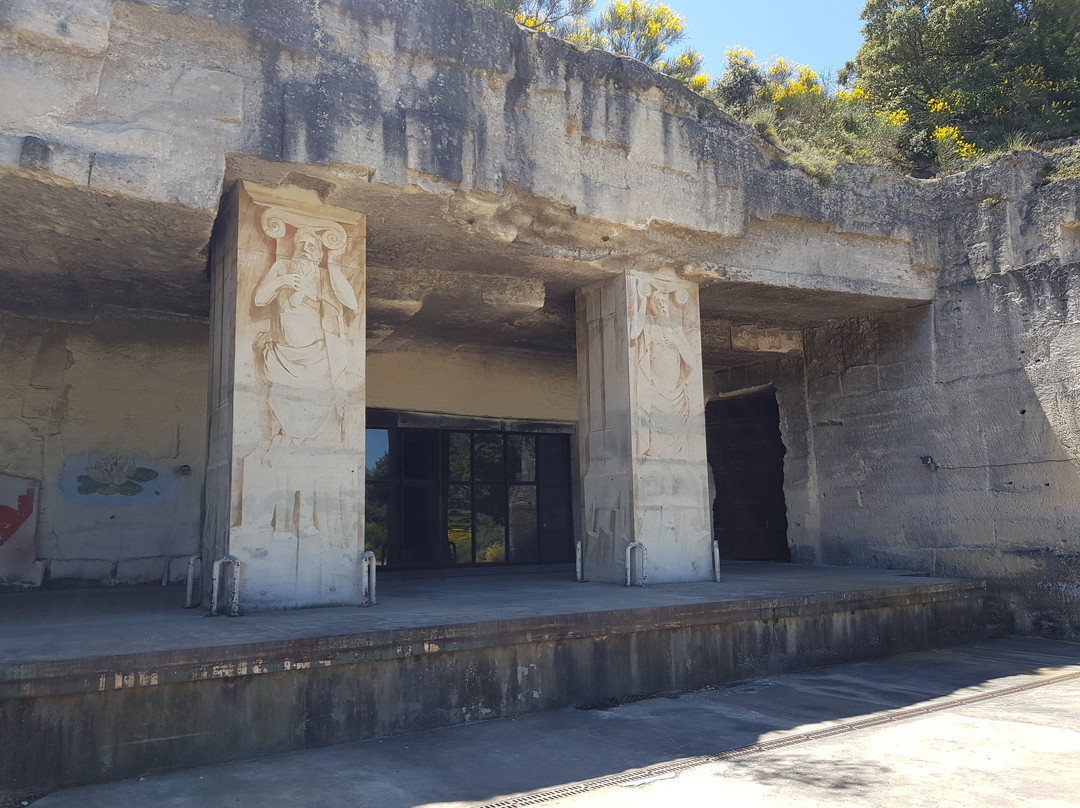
(115, 474)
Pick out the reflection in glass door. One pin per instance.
(443, 498)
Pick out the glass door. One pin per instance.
(447, 498)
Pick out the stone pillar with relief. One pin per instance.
(641, 429)
(285, 465)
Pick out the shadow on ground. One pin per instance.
(477, 763)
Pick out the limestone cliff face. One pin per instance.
(534, 149)
(983, 381)
(500, 171)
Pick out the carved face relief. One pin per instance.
(308, 245)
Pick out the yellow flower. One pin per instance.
(852, 95)
(950, 140)
(938, 105)
(699, 83)
(897, 118)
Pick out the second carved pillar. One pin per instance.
(641, 428)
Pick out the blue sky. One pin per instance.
(822, 34)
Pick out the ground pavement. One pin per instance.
(994, 723)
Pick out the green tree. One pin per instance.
(686, 68)
(981, 69)
(645, 31)
(741, 85)
(640, 30)
(797, 110)
(559, 17)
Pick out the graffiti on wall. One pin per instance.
(115, 474)
(111, 479)
(11, 519)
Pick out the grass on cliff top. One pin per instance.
(819, 146)
(1069, 167)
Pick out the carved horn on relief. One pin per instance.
(334, 239)
(273, 223)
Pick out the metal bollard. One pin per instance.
(367, 560)
(234, 599)
(716, 560)
(579, 569)
(636, 545)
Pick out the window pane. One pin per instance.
(419, 454)
(419, 544)
(556, 547)
(459, 539)
(521, 458)
(556, 535)
(377, 454)
(459, 456)
(490, 520)
(554, 455)
(377, 513)
(523, 536)
(488, 457)
(554, 507)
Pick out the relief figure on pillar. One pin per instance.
(665, 358)
(305, 355)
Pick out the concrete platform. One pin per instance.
(103, 684)
(991, 723)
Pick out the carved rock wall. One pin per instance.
(483, 384)
(485, 144)
(152, 100)
(105, 424)
(73, 394)
(986, 382)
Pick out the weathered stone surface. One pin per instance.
(501, 171)
(641, 431)
(448, 124)
(984, 382)
(287, 399)
(75, 394)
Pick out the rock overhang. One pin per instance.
(500, 170)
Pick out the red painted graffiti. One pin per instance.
(11, 519)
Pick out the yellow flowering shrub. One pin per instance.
(897, 117)
(953, 151)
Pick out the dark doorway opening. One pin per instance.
(746, 454)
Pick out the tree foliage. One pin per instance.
(561, 18)
(980, 69)
(935, 84)
(798, 110)
(640, 30)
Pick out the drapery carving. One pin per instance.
(306, 347)
(664, 360)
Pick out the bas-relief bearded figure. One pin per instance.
(665, 359)
(306, 349)
(303, 479)
(291, 302)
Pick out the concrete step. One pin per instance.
(86, 719)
